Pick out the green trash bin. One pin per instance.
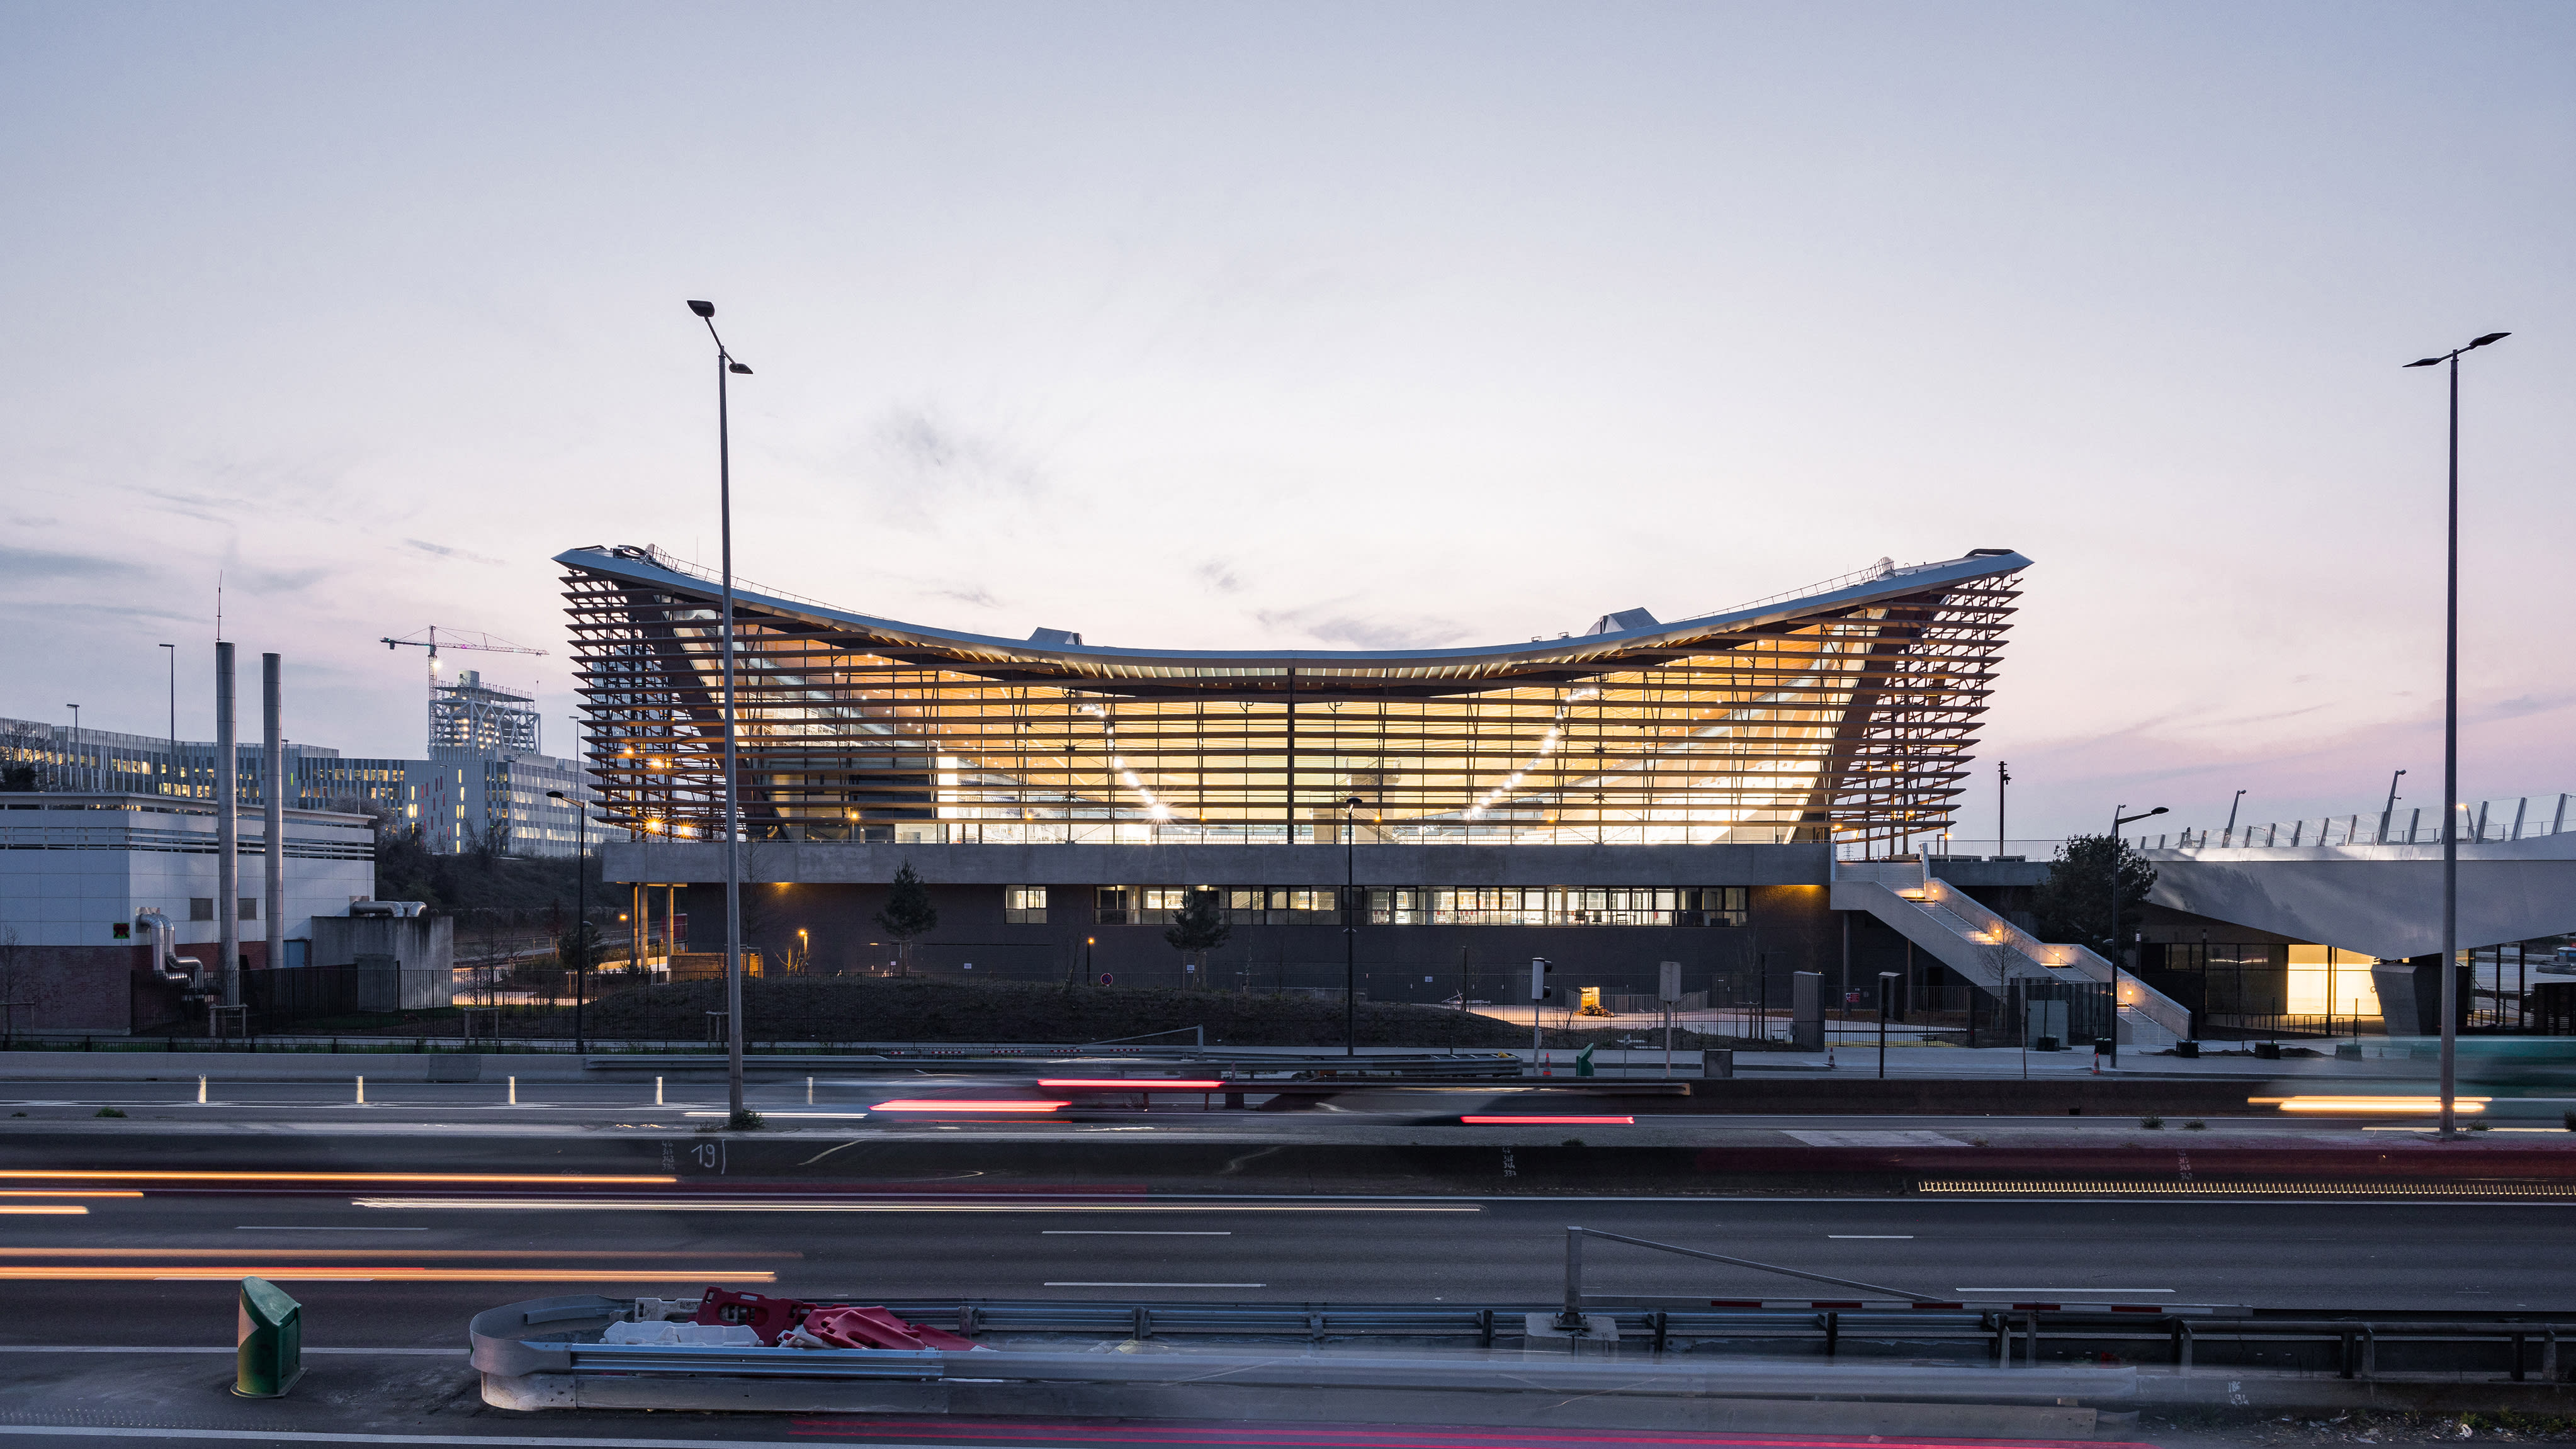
(269, 1352)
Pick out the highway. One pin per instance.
(405, 1264)
(145, 1252)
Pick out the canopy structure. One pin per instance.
(1845, 713)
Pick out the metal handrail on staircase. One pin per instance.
(1974, 922)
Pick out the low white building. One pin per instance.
(77, 869)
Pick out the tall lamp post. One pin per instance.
(2387, 812)
(2003, 782)
(725, 366)
(2117, 851)
(2451, 748)
(174, 707)
(580, 911)
(1350, 927)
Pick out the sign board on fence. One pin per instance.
(1668, 982)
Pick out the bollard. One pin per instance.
(514, 1091)
(269, 1347)
(362, 1091)
(201, 1091)
(809, 1091)
(657, 1091)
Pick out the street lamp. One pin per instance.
(1350, 927)
(580, 910)
(2003, 782)
(2117, 851)
(2230, 832)
(725, 366)
(2387, 812)
(2451, 747)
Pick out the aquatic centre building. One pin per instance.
(1638, 792)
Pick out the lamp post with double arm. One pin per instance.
(2118, 852)
(725, 367)
(2451, 746)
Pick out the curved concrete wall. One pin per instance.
(2385, 900)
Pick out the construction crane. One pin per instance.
(472, 714)
(456, 639)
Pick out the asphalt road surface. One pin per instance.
(397, 1265)
(407, 1264)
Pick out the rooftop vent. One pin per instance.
(1622, 622)
(1056, 639)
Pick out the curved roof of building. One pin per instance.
(1582, 653)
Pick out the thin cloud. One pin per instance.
(2527, 704)
(1218, 577)
(443, 551)
(29, 563)
(1363, 631)
(940, 466)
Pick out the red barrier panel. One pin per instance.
(767, 1316)
(877, 1328)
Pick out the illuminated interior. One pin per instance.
(1845, 714)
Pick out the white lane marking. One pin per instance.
(2067, 1292)
(1157, 1285)
(1875, 1139)
(295, 1228)
(1129, 1233)
(829, 1116)
(1875, 1237)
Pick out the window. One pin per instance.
(1143, 905)
(201, 908)
(249, 908)
(1024, 905)
(1557, 906)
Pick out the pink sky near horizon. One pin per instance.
(1325, 326)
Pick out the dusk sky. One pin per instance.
(1318, 325)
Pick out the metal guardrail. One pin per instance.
(543, 1336)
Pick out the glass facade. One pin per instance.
(1414, 905)
(1843, 715)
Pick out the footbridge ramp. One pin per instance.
(1964, 934)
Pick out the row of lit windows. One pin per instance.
(1407, 906)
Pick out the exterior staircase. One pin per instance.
(1967, 936)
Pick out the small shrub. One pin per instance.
(2195, 1125)
(109, 1112)
(2481, 1127)
(1573, 1141)
(2568, 1120)
(2152, 1122)
(745, 1121)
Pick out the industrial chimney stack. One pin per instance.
(275, 802)
(227, 837)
